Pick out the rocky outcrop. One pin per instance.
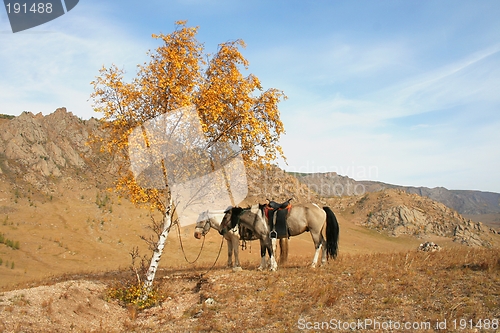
(435, 219)
(429, 247)
(43, 148)
(470, 233)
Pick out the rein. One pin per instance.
(218, 255)
(182, 246)
(201, 248)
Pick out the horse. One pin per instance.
(212, 219)
(252, 218)
(320, 222)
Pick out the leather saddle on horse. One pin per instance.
(277, 214)
(275, 205)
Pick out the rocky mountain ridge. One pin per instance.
(41, 150)
(38, 149)
(395, 212)
(331, 184)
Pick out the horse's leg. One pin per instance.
(323, 256)
(274, 244)
(272, 259)
(263, 249)
(236, 249)
(318, 244)
(283, 250)
(229, 251)
(316, 255)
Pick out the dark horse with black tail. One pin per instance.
(320, 222)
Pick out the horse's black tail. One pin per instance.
(332, 233)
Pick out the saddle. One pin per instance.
(274, 205)
(277, 214)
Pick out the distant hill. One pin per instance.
(467, 202)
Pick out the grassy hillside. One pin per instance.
(86, 229)
(422, 290)
(74, 248)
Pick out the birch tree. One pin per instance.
(233, 110)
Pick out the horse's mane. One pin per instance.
(235, 216)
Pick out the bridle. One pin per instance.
(206, 227)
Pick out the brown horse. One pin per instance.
(320, 222)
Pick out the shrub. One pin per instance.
(132, 294)
(10, 243)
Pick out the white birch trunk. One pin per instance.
(155, 260)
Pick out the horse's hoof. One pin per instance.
(237, 269)
(260, 268)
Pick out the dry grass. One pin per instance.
(400, 287)
(404, 287)
(411, 286)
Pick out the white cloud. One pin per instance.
(53, 67)
(471, 79)
(349, 134)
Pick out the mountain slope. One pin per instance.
(463, 201)
(39, 150)
(396, 212)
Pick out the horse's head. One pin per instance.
(202, 225)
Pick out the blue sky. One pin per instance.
(404, 92)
